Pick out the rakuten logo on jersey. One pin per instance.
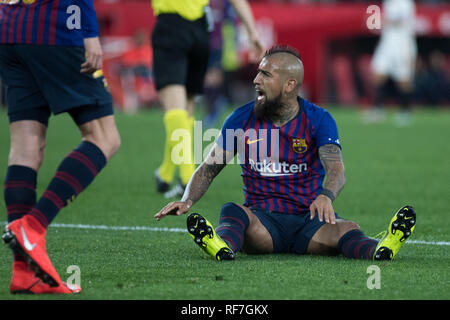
(275, 169)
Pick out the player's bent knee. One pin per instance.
(231, 209)
(104, 134)
(114, 144)
(109, 145)
(346, 226)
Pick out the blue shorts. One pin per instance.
(290, 233)
(41, 80)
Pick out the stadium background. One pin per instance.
(332, 37)
(335, 44)
(123, 253)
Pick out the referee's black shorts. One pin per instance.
(180, 52)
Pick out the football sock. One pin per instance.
(355, 245)
(187, 167)
(173, 120)
(232, 225)
(19, 191)
(405, 100)
(380, 95)
(19, 194)
(73, 175)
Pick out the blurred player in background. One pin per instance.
(286, 146)
(395, 57)
(180, 42)
(223, 59)
(50, 62)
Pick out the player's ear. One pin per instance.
(290, 85)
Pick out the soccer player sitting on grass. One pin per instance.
(286, 147)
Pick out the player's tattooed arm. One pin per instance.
(331, 157)
(202, 178)
(199, 183)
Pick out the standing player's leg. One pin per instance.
(171, 42)
(403, 75)
(186, 162)
(28, 114)
(405, 93)
(25, 158)
(182, 66)
(100, 141)
(380, 82)
(174, 101)
(187, 167)
(27, 143)
(77, 170)
(195, 77)
(380, 65)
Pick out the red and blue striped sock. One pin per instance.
(355, 245)
(19, 193)
(232, 225)
(74, 174)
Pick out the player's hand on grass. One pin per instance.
(94, 55)
(323, 207)
(176, 208)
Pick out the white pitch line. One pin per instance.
(435, 243)
(165, 229)
(116, 228)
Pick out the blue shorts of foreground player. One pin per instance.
(290, 233)
(41, 80)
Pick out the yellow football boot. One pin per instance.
(400, 228)
(202, 231)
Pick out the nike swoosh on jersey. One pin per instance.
(253, 141)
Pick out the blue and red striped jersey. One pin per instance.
(47, 22)
(281, 169)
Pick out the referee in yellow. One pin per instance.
(180, 41)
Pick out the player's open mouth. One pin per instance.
(260, 95)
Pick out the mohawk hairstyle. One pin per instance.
(282, 48)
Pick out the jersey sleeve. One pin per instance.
(232, 129)
(327, 132)
(226, 140)
(88, 19)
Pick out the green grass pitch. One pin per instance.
(386, 167)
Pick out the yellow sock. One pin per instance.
(173, 120)
(188, 168)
